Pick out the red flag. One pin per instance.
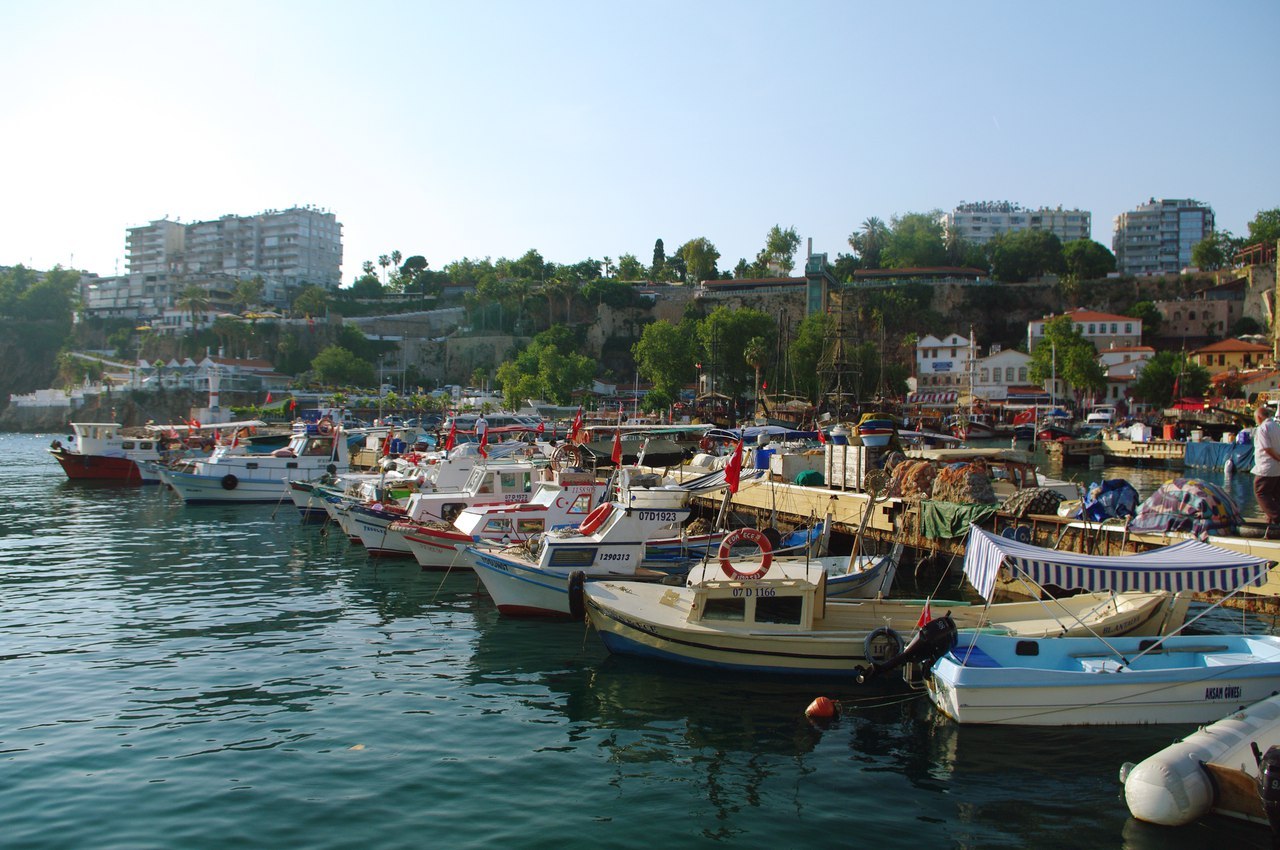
(616, 457)
(1176, 381)
(268, 401)
(542, 427)
(484, 443)
(293, 402)
(1024, 417)
(453, 436)
(235, 438)
(576, 426)
(386, 444)
(764, 385)
(822, 438)
(926, 616)
(195, 423)
(733, 469)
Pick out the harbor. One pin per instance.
(229, 660)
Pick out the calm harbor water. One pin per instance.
(224, 677)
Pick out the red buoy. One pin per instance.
(821, 708)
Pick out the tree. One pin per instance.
(915, 241)
(779, 249)
(548, 368)
(413, 265)
(194, 301)
(1168, 376)
(311, 301)
(629, 268)
(724, 336)
(1265, 227)
(700, 258)
(336, 366)
(756, 354)
(805, 353)
(1150, 316)
(664, 357)
(658, 268)
(249, 292)
(1213, 252)
(869, 241)
(1066, 354)
(1019, 255)
(1085, 259)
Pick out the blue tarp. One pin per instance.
(1215, 455)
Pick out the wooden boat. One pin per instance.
(778, 619)
(991, 678)
(1217, 769)
(972, 426)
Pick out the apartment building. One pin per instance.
(1104, 330)
(983, 221)
(1157, 237)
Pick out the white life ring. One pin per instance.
(753, 536)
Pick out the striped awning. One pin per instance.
(1190, 565)
(933, 398)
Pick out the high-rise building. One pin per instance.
(983, 221)
(1157, 237)
(286, 248)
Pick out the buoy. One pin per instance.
(821, 708)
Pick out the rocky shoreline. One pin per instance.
(130, 408)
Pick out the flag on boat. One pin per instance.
(386, 444)
(926, 616)
(268, 401)
(576, 426)
(484, 444)
(293, 403)
(733, 469)
(822, 438)
(616, 457)
(1025, 417)
(542, 427)
(453, 436)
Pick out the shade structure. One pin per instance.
(1190, 565)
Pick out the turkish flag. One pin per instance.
(453, 436)
(926, 616)
(386, 444)
(822, 438)
(268, 401)
(576, 426)
(484, 443)
(733, 469)
(616, 457)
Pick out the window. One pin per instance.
(1022, 374)
(529, 526)
(1113, 327)
(1008, 374)
(581, 505)
(508, 482)
(984, 376)
(498, 526)
(779, 609)
(1091, 328)
(725, 609)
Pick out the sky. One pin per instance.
(589, 129)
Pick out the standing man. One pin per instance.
(1266, 465)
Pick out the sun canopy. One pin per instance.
(1190, 565)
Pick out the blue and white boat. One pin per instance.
(997, 679)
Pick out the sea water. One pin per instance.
(213, 677)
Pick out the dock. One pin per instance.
(1166, 453)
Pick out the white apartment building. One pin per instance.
(942, 363)
(286, 248)
(994, 374)
(983, 221)
(1157, 237)
(1104, 330)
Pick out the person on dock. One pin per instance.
(1266, 466)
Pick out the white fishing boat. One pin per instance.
(106, 451)
(990, 678)
(777, 618)
(534, 579)
(562, 502)
(1231, 767)
(230, 475)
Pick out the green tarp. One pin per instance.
(951, 519)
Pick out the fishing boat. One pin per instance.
(991, 678)
(972, 426)
(105, 451)
(232, 475)
(562, 502)
(534, 579)
(1230, 767)
(777, 618)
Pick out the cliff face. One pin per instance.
(127, 408)
(28, 356)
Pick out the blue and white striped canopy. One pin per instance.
(1190, 565)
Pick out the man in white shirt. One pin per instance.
(1266, 465)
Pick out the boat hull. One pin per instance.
(82, 467)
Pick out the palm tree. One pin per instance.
(384, 261)
(756, 354)
(870, 240)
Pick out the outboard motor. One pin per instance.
(934, 640)
(1269, 787)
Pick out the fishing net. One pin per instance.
(1188, 504)
(966, 483)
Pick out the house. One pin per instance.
(942, 363)
(1104, 330)
(1228, 354)
(996, 373)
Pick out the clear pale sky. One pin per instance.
(454, 129)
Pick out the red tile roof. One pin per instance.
(1080, 314)
(1229, 345)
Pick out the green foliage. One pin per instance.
(1065, 352)
(367, 286)
(1085, 259)
(27, 296)
(1150, 316)
(630, 268)
(337, 366)
(658, 269)
(548, 368)
(869, 242)
(915, 241)
(612, 292)
(700, 257)
(805, 353)
(1155, 383)
(779, 248)
(1215, 251)
(310, 301)
(724, 336)
(1265, 227)
(249, 292)
(664, 357)
(1017, 256)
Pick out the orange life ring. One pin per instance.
(754, 536)
(325, 426)
(596, 518)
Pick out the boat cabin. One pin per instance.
(790, 599)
